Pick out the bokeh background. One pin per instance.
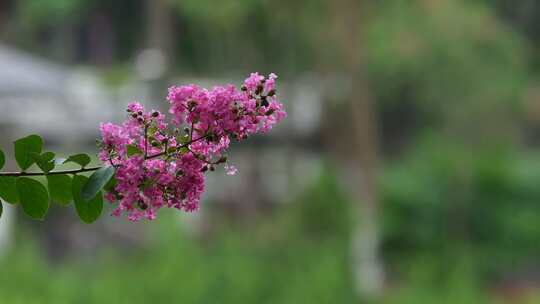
(407, 171)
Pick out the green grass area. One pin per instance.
(298, 254)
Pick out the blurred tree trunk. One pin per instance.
(159, 26)
(363, 170)
(101, 39)
(360, 164)
(159, 32)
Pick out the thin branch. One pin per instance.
(203, 159)
(145, 141)
(179, 147)
(73, 171)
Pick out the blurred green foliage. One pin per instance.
(452, 63)
(447, 198)
(35, 14)
(222, 14)
(452, 222)
(459, 199)
(268, 264)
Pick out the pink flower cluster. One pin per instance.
(162, 163)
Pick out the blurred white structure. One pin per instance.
(56, 101)
(62, 104)
(5, 228)
(65, 105)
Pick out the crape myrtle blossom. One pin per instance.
(162, 163)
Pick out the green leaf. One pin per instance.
(132, 150)
(82, 159)
(96, 182)
(152, 130)
(34, 197)
(60, 188)
(25, 146)
(2, 159)
(110, 184)
(88, 210)
(44, 161)
(35, 156)
(46, 167)
(47, 156)
(183, 139)
(8, 189)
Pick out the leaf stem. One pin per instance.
(73, 171)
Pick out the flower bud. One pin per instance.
(264, 102)
(243, 88)
(142, 205)
(222, 159)
(259, 89)
(204, 169)
(192, 104)
(134, 115)
(211, 136)
(212, 168)
(155, 114)
(140, 112)
(272, 93)
(269, 112)
(199, 156)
